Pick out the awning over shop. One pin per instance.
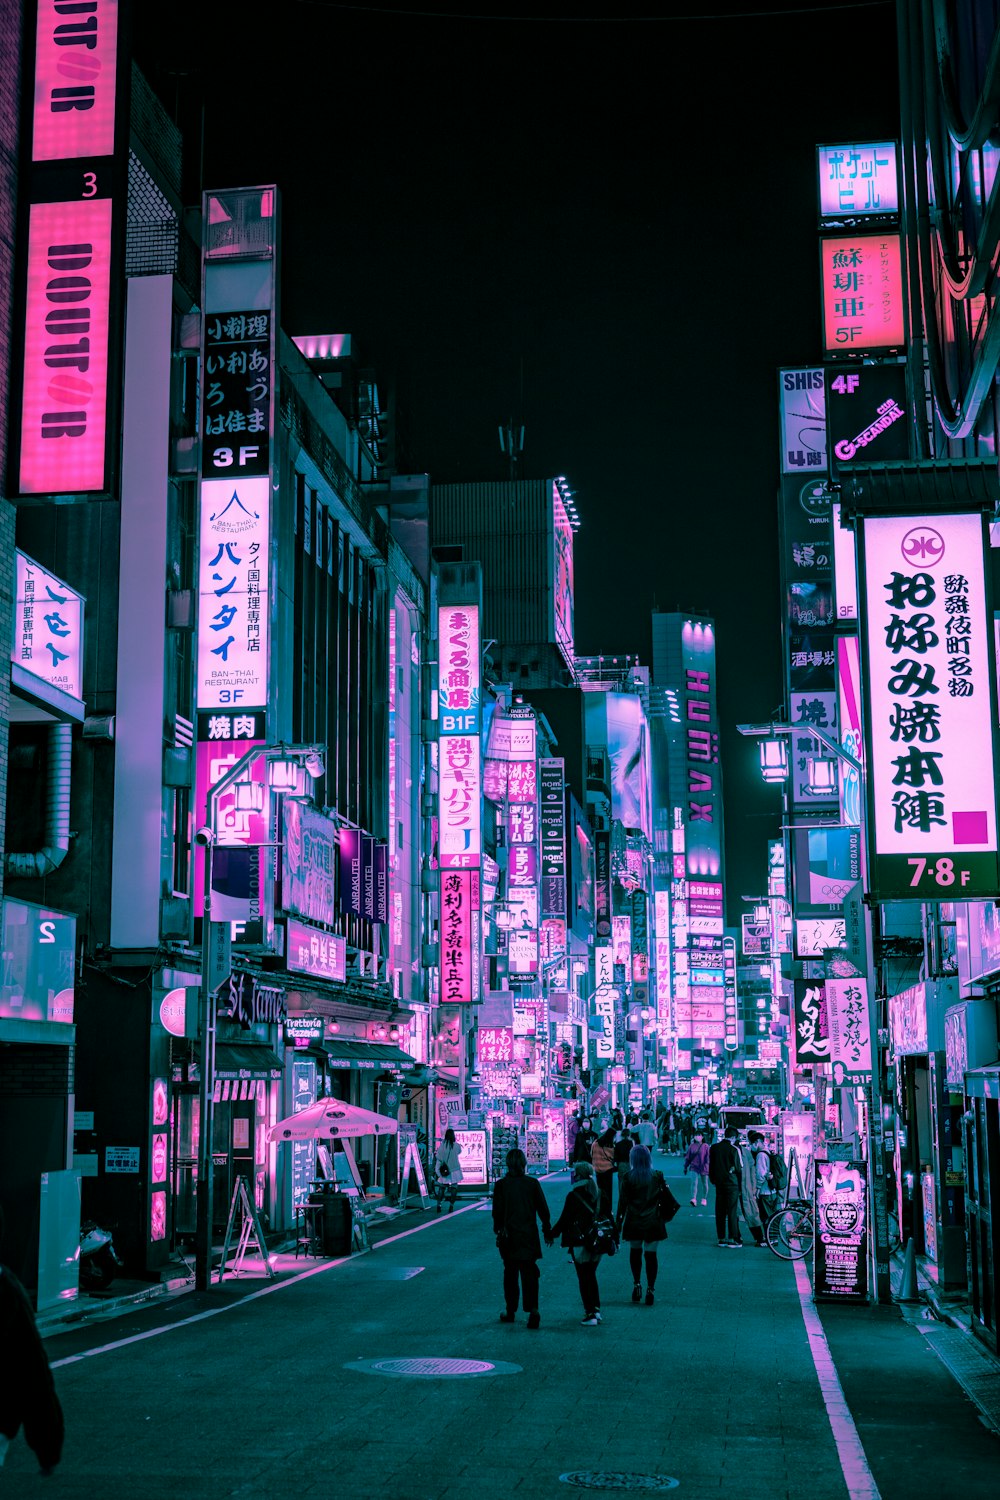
(372, 1056)
(253, 1063)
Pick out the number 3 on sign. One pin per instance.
(942, 871)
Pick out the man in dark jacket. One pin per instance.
(518, 1204)
(725, 1173)
(27, 1391)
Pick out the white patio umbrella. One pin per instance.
(332, 1119)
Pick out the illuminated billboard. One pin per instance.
(862, 290)
(66, 331)
(459, 895)
(928, 698)
(562, 578)
(48, 628)
(857, 180)
(459, 751)
(234, 558)
(801, 398)
(76, 47)
(239, 866)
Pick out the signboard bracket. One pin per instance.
(250, 1228)
(411, 1161)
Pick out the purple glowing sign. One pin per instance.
(75, 69)
(66, 325)
(928, 700)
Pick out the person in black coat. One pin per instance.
(27, 1391)
(640, 1219)
(578, 1216)
(518, 1205)
(725, 1173)
(585, 1138)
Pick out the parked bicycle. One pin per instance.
(791, 1231)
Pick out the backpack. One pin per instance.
(778, 1172)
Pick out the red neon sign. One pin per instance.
(64, 405)
(75, 64)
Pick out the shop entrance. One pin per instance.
(982, 1201)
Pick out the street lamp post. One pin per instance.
(307, 760)
(769, 734)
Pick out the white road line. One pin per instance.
(857, 1475)
(265, 1291)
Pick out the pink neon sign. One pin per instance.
(75, 53)
(64, 406)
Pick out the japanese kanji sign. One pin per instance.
(239, 864)
(234, 553)
(48, 627)
(850, 1034)
(862, 287)
(812, 1034)
(237, 394)
(459, 750)
(857, 180)
(929, 701)
(457, 936)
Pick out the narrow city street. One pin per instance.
(724, 1387)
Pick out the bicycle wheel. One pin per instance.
(790, 1232)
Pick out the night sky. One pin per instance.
(602, 229)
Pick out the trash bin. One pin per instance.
(335, 1222)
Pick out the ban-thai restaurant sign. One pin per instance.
(928, 698)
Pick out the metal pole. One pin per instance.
(206, 1083)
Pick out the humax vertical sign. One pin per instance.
(928, 688)
(70, 251)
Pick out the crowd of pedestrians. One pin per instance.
(746, 1177)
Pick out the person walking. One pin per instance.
(518, 1207)
(646, 1131)
(447, 1170)
(687, 1128)
(748, 1193)
(767, 1198)
(584, 1141)
(27, 1391)
(603, 1158)
(622, 1151)
(696, 1162)
(578, 1216)
(725, 1169)
(640, 1219)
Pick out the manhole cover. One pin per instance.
(605, 1479)
(429, 1368)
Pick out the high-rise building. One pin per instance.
(521, 533)
(689, 897)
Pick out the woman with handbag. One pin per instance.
(447, 1170)
(574, 1224)
(643, 1206)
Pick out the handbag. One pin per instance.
(443, 1169)
(667, 1203)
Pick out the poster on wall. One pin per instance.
(840, 1249)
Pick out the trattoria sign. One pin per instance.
(928, 698)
